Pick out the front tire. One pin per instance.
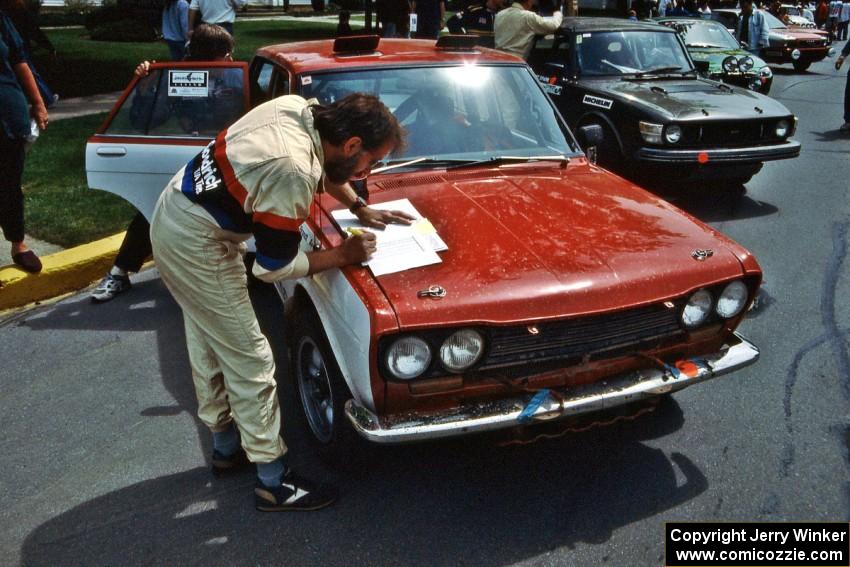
(801, 66)
(322, 391)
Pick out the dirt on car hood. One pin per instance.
(549, 242)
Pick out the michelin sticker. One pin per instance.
(597, 101)
(188, 83)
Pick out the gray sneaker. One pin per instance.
(109, 287)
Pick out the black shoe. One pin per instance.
(294, 493)
(226, 464)
(28, 261)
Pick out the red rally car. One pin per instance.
(564, 289)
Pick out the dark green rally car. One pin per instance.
(659, 118)
(718, 55)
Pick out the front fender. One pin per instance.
(345, 321)
(600, 118)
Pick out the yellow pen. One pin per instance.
(355, 231)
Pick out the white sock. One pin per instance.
(116, 271)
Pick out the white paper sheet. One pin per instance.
(399, 247)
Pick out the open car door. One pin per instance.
(161, 122)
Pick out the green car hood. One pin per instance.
(715, 57)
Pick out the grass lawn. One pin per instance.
(59, 207)
(85, 67)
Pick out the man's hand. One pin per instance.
(377, 218)
(143, 69)
(39, 113)
(359, 247)
(839, 62)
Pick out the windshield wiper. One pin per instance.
(500, 160)
(704, 45)
(657, 70)
(454, 163)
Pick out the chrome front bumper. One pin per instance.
(756, 154)
(506, 412)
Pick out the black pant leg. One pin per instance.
(136, 247)
(12, 156)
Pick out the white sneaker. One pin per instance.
(109, 287)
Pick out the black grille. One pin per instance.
(595, 336)
(809, 43)
(730, 134)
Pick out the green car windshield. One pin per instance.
(704, 34)
(457, 113)
(631, 53)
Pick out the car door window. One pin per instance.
(182, 101)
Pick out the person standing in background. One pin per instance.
(821, 14)
(516, 26)
(430, 18)
(832, 20)
(17, 87)
(175, 27)
(843, 20)
(845, 128)
(209, 43)
(752, 28)
(25, 21)
(219, 12)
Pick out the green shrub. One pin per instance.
(123, 30)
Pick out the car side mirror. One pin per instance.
(744, 45)
(702, 67)
(589, 137)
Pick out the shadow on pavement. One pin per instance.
(460, 502)
(831, 135)
(448, 504)
(719, 204)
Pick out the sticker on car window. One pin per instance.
(551, 89)
(578, 39)
(188, 83)
(586, 34)
(307, 80)
(597, 101)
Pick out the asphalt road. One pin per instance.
(103, 461)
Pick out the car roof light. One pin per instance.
(457, 42)
(356, 44)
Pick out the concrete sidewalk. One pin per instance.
(63, 270)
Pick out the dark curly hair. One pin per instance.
(361, 115)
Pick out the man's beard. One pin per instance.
(339, 171)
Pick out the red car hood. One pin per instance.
(549, 242)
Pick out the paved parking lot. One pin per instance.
(105, 463)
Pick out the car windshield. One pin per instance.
(470, 112)
(704, 33)
(631, 52)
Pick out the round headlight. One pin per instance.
(673, 134)
(732, 300)
(408, 357)
(697, 309)
(795, 54)
(782, 128)
(745, 63)
(461, 350)
(730, 64)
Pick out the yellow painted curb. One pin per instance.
(63, 272)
